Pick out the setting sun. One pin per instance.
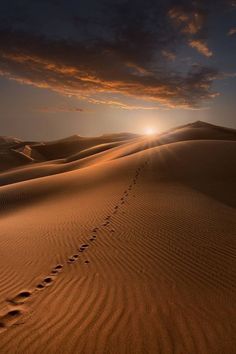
(117, 176)
(150, 131)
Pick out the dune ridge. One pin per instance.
(127, 250)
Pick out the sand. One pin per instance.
(129, 249)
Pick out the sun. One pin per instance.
(149, 131)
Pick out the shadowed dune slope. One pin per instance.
(132, 250)
(65, 147)
(120, 145)
(201, 164)
(15, 153)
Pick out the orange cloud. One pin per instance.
(191, 22)
(74, 69)
(201, 47)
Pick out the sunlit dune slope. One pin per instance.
(15, 153)
(18, 153)
(120, 145)
(65, 147)
(198, 163)
(198, 131)
(127, 250)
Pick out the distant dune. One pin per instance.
(119, 244)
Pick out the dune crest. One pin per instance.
(120, 244)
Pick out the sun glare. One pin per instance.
(150, 131)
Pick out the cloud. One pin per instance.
(60, 109)
(201, 47)
(190, 20)
(168, 55)
(124, 48)
(232, 31)
(121, 105)
(81, 70)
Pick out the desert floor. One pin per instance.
(127, 247)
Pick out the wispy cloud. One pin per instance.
(78, 70)
(131, 52)
(191, 21)
(201, 47)
(60, 109)
(168, 55)
(232, 31)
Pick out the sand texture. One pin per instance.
(119, 244)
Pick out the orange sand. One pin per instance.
(127, 247)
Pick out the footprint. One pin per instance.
(47, 280)
(54, 272)
(20, 298)
(57, 269)
(24, 294)
(59, 266)
(9, 318)
(13, 313)
(40, 286)
(73, 258)
(83, 247)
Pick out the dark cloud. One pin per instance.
(127, 48)
(61, 109)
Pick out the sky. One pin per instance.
(91, 67)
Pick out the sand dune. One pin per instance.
(15, 153)
(119, 145)
(66, 147)
(130, 249)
